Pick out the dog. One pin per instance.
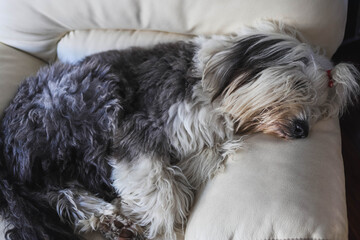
(121, 141)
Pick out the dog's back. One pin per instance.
(152, 80)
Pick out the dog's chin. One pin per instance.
(287, 136)
(279, 134)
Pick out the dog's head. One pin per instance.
(271, 81)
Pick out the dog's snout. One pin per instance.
(300, 129)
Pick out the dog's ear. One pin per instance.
(219, 70)
(345, 77)
(239, 64)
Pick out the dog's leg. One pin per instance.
(86, 212)
(154, 195)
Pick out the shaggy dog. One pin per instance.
(120, 142)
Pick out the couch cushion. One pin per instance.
(277, 189)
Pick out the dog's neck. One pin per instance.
(198, 124)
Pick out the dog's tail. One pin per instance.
(26, 213)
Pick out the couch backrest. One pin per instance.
(85, 26)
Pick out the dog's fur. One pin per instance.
(121, 141)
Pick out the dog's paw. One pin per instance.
(119, 228)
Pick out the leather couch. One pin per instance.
(275, 189)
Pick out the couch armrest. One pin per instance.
(14, 67)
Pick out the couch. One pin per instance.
(274, 189)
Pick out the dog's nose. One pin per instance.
(300, 129)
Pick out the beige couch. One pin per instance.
(275, 189)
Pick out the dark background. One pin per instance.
(349, 51)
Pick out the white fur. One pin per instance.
(189, 121)
(154, 195)
(200, 149)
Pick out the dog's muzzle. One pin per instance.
(300, 129)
